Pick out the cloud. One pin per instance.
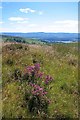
(64, 26)
(27, 10)
(1, 22)
(69, 26)
(17, 19)
(22, 22)
(32, 25)
(40, 13)
(67, 22)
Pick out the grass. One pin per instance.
(0, 79)
(58, 60)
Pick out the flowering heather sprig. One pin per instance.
(38, 90)
(37, 67)
(48, 79)
(39, 75)
(36, 79)
(30, 69)
(38, 82)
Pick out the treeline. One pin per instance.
(13, 39)
(7, 38)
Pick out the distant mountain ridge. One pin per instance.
(49, 37)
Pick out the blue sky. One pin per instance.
(39, 16)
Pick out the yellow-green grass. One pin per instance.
(58, 60)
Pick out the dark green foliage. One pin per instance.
(34, 61)
(9, 62)
(21, 40)
(36, 104)
(25, 77)
(33, 77)
(17, 74)
(13, 39)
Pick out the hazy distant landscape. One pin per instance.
(47, 37)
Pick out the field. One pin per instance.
(59, 61)
(0, 80)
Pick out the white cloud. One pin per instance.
(70, 26)
(1, 22)
(22, 22)
(67, 22)
(32, 25)
(26, 10)
(64, 26)
(17, 19)
(40, 13)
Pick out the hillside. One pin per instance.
(6, 38)
(57, 60)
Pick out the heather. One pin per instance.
(40, 81)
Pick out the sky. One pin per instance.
(40, 0)
(39, 17)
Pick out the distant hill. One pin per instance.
(48, 37)
(8, 38)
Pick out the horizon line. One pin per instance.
(40, 32)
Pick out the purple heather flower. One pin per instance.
(34, 92)
(38, 90)
(35, 86)
(30, 69)
(48, 79)
(37, 67)
(44, 93)
(40, 74)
